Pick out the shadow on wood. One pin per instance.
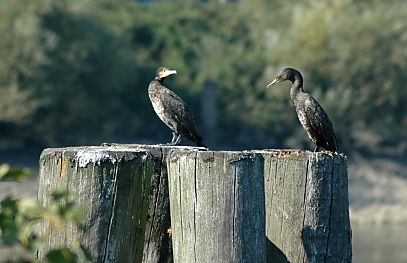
(274, 254)
(307, 208)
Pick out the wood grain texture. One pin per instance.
(307, 207)
(124, 191)
(217, 206)
(259, 206)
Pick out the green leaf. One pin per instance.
(34, 243)
(78, 214)
(8, 204)
(58, 195)
(4, 168)
(61, 255)
(8, 225)
(9, 234)
(30, 208)
(13, 174)
(86, 253)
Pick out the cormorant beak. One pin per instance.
(169, 72)
(272, 83)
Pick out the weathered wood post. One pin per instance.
(307, 207)
(124, 190)
(217, 206)
(225, 206)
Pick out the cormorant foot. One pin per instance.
(174, 137)
(178, 140)
(171, 144)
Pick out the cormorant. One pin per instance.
(172, 110)
(311, 115)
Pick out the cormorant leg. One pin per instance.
(178, 140)
(174, 137)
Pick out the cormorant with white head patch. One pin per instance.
(172, 110)
(310, 113)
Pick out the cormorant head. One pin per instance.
(286, 74)
(163, 72)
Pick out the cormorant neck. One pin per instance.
(161, 80)
(296, 87)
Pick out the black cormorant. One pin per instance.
(172, 110)
(311, 115)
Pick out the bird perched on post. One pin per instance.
(172, 110)
(310, 113)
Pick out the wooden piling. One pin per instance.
(258, 206)
(307, 207)
(124, 192)
(217, 206)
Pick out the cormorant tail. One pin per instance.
(199, 143)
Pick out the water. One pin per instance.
(379, 243)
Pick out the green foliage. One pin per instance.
(19, 23)
(81, 68)
(13, 174)
(350, 54)
(62, 255)
(18, 218)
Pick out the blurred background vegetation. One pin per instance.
(76, 72)
(20, 217)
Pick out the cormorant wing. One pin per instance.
(180, 111)
(320, 122)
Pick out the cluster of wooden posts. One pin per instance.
(151, 203)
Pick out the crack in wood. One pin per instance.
(180, 201)
(330, 209)
(305, 200)
(156, 199)
(112, 214)
(195, 203)
(283, 205)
